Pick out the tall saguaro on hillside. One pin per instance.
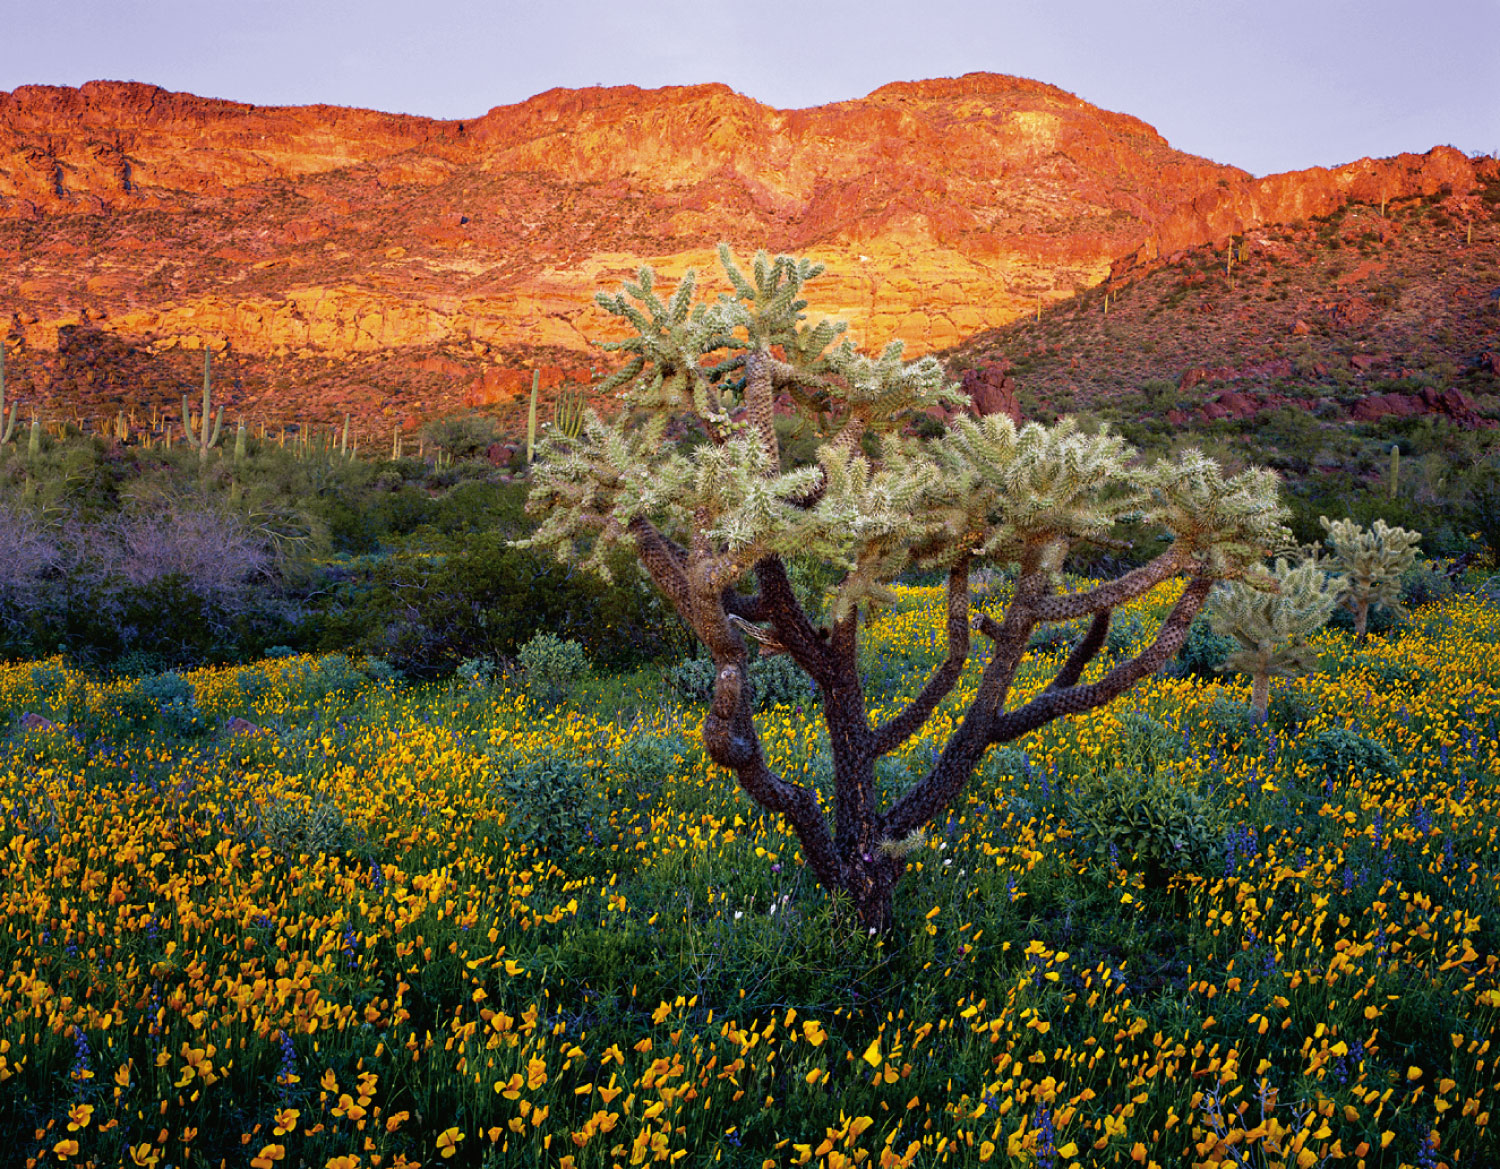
(727, 514)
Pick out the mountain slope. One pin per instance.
(394, 266)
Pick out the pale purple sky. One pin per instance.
(1267, 85)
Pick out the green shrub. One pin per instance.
(777, 681)
(647, 759)
(1379, 621)
(1291, 709)
(1338, 751)
(551, 806)
(1422, 584)
(291, 827)
(479, 671)
(552, 666)
(1150, 822)
(1203, 653)
(49, 681)
(252, 683)
(176, 707)
(1145, 744)
(126, 709)
(1125, 633)
(1232, 721)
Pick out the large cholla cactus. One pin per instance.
(1272, 627)
(728, 513)
(1371, 562)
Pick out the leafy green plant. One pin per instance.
(295, 827)
(552, 666)
(1145, 744)
(1151, 822)
(551, 805)
(1203, 652)
(1233, 721)
(776, 680)
(1337, 752)
(173, 697)
(647, 759)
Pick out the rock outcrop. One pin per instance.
(393, 266)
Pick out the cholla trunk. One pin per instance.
(1361, 619)
(1260, 696)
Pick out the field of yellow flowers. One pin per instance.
(452, 925)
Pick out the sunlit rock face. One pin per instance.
(392, 266)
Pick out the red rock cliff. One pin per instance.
(306, 234)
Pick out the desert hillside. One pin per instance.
(395, 267)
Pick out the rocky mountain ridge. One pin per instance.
(394, 267)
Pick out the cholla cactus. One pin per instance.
(1272, 626)
(1371, 562)
(704, 519)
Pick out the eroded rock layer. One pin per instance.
(394, 266)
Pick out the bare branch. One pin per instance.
(793, 629)
(1133, 584)
(1083, 653)
(746, 608)
(890, 736)
(666, 561)
(1072, 700)
(731, 740)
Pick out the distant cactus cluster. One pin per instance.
(199, 424)
(1271, 620)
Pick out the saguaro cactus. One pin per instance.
(1371, 563)
(7, 423)
(201, 436)
(1272, 627)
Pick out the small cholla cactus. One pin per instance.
(1371, 563)
(1272, 628)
